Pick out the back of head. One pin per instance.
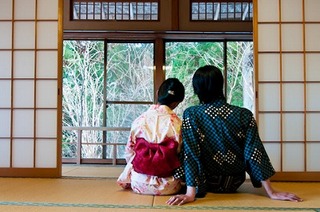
(171, 90)
(207, 84)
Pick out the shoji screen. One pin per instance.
(30, 42)
(287, 61)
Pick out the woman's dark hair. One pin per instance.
(207, 84)
(171, 90)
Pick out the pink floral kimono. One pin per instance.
(152, 153)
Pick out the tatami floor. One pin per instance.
(96, 171)
(93, 188)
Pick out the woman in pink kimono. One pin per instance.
(153, 145)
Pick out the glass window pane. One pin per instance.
(119, 137)
(122, 115)
(240, 74)
(130, 71)
(223, 10)
(91, 151)
(184, 58)
(90, 147)
(69, 143)
(83, 83)
(108, 10)
(120, 151)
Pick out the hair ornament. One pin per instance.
(170, 92)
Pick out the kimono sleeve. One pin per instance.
(258, 164)
(192, 164)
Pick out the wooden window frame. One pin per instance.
(174, 16)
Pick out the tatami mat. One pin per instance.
(98, 194)
(249, 199)
(94, 188)
(105, 171)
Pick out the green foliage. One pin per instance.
(184, 58)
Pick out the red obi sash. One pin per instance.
(157, 159)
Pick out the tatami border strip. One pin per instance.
(83, 205)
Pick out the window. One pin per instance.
(115, 10)
(183, 58)
(107, 84)
(159, 15)
(211, 10)
(117, 53)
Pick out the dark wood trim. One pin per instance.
(297, 177)
(164, 23)
(144, 36)
(94, 161)
(175, 16)
(59, 89)
(30, 172)
(159, 72)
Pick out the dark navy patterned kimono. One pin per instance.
(220, 144)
